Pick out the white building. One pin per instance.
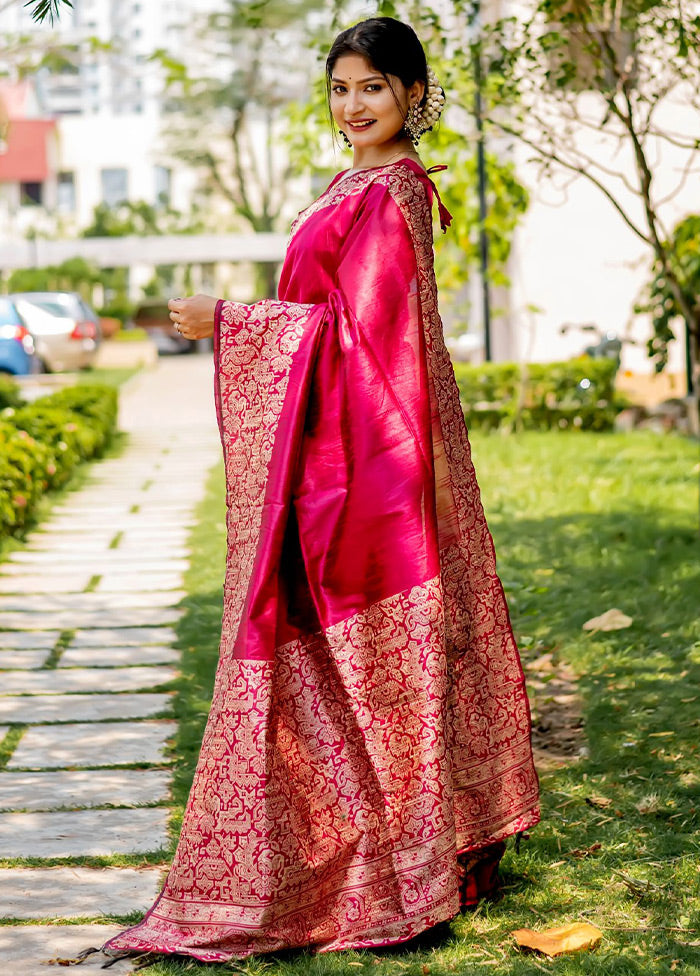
(108, 104)
(110, 70)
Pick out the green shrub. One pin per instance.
(579, 394)
(91, 400)
(26, 467)
(9, 392)
(41, 443)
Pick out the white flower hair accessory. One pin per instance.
(422, 118)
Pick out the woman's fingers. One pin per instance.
(193, 317)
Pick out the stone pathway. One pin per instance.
(87, 653)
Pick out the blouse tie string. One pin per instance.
(445, 215)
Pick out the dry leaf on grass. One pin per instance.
(584, 851)
(598, 801)
(610, 620)
(561, 939)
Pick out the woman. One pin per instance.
(368, 747)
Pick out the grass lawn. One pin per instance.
(110, 376)
(582, 523)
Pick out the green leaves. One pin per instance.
(661, 294)
(539, 396)
(41, 443)
(47, 9)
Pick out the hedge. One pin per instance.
(42, 443)
(579, 394)
(9, 392)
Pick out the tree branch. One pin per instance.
(580, 169)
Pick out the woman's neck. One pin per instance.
(371, 156)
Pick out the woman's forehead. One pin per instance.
(354, 67)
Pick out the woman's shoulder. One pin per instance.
(407, 181)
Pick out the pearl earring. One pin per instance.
(422, 118)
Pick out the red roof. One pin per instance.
(25, 157)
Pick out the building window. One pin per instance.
(115, 186)
(65, 192)
(31, 194)
(162, 181)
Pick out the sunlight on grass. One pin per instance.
(582, 523)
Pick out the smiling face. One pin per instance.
(367, 107)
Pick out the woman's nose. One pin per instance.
(354, 102)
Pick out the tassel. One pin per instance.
(76, 960)
(521, 835)
(111, 962)
(445, 215)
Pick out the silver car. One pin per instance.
(66, 330)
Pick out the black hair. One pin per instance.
(390, 46)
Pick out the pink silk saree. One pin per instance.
(369, 720)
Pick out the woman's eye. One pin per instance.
(373, 88)
(338, 90)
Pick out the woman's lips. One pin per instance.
(362, 124)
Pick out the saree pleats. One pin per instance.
(369, 721)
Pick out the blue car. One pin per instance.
(17, 354)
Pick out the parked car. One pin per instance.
(17, 352)
(66, 330)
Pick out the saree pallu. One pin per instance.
(369, 721)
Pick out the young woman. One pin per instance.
(368, 747)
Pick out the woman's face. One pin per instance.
(364, 105)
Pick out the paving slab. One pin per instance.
(153, 538)
(75, 892)
(111, 561)
(26, 949)
(23, 660)
(84, 679)
(85, 524)
(85, 536)
(35, 709)
(68, 544)
(75, 619)
(89, 833)
(117, 657)
(46, 603)
(29, 640)
(25, 583)
(123, 636)
(75, 788)
(90, 507)
(92, 744)
(139, 582)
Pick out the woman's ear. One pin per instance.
(416, 92)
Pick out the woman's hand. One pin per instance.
(193, 317)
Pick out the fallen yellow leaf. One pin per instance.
(598, 801)
(613, 619)
(561, 939)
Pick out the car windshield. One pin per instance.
(8, 313)
(52, 307)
